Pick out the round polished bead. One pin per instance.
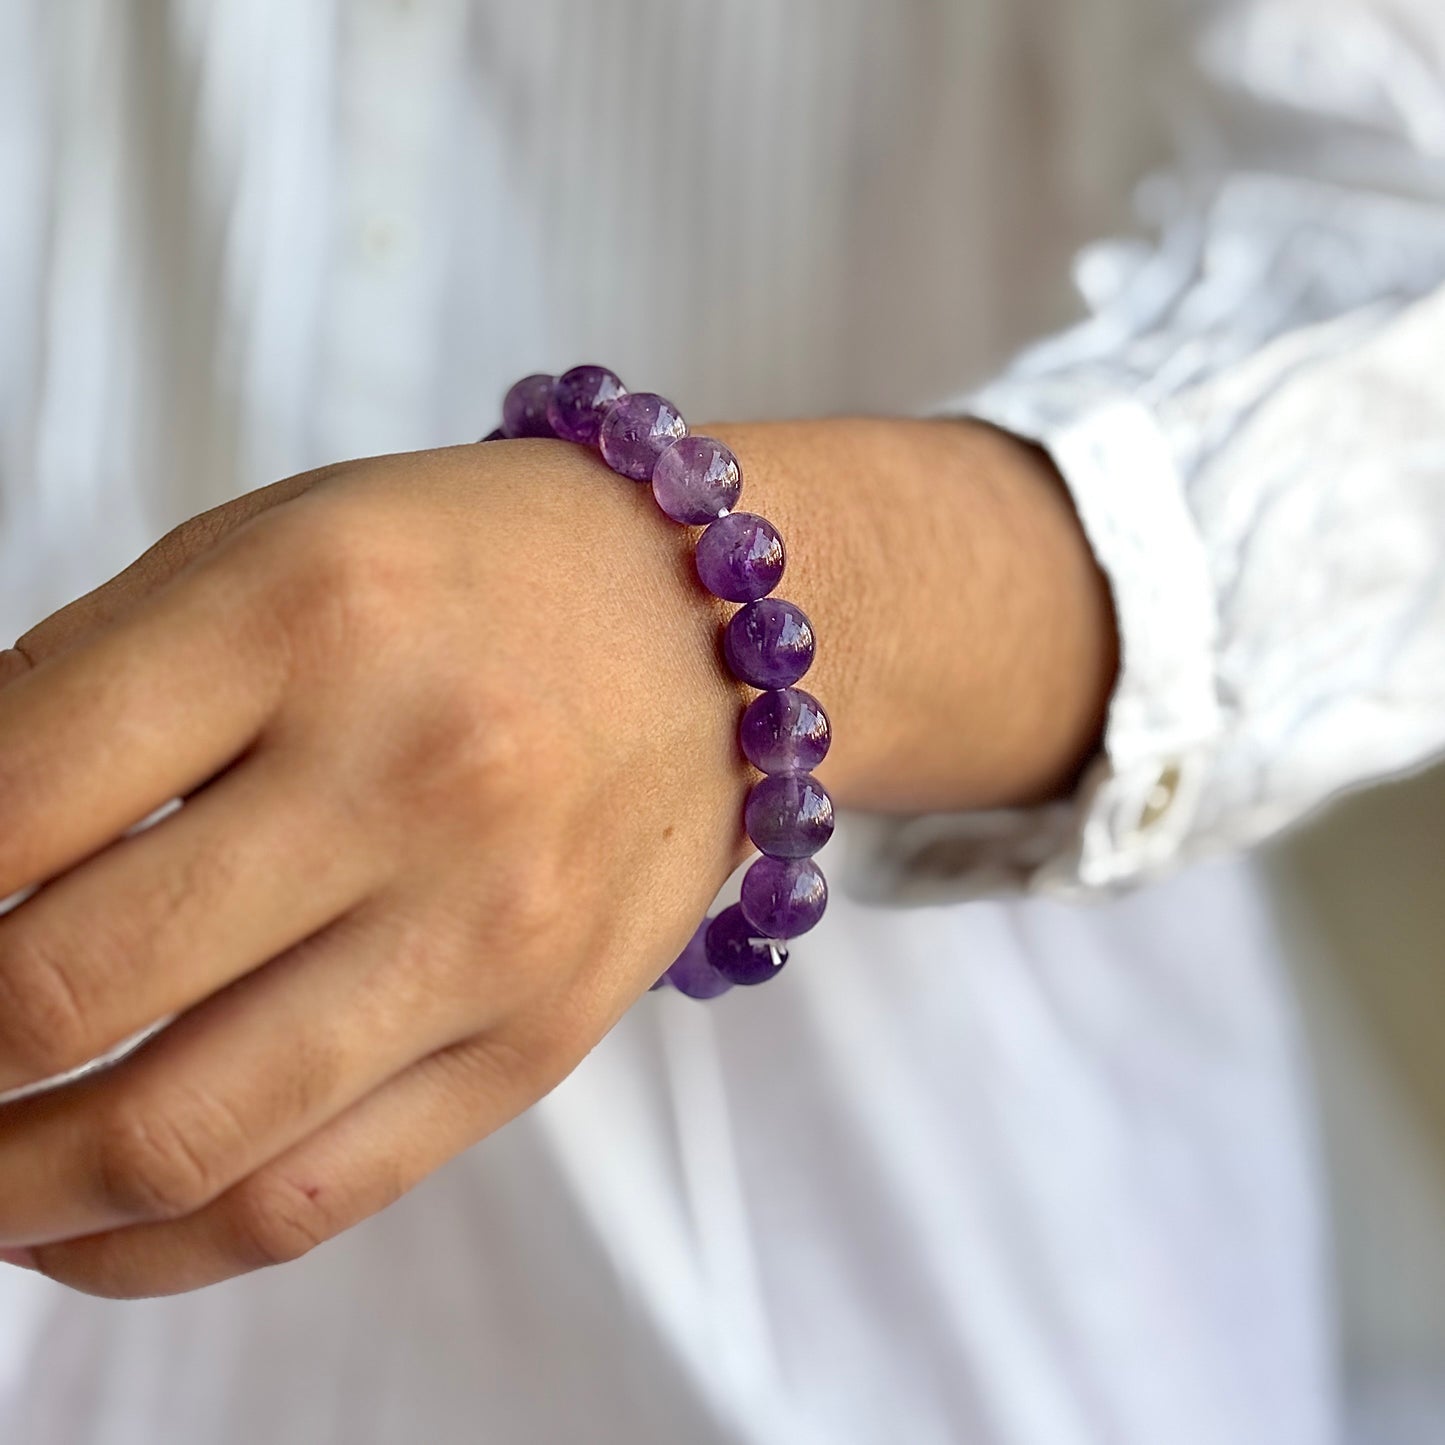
(785, 731)
(637, 429)
(783, 897)
(740, 557)
(580, 398)
(692, 974)
(524, 411)
(737, 952)
(769, 643)
(696, 481)
(789, 815)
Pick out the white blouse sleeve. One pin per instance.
(1252, 426)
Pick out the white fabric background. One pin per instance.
(1009, 1172)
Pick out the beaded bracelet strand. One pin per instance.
(767, 643)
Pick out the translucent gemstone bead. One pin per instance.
(692, 974)
(789, 815)
(580, 398)
(524, 411)
(783, 897)
(768, 643)
(738, 953)
(740, 557)
(785, 732)
(637, 429)
(696, 481)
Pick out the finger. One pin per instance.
(151, 570)
(229, 1086)
(354, 1167)
(147, 709)
(249, 867)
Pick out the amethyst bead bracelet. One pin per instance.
(696, 481)
(768, 644)
(740, 557)
(636, 430)
(783, 897)
(785, 731)
(578, 401)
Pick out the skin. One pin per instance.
(461, 775)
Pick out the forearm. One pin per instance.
(966, 638)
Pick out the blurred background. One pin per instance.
(1361, 898)
(338, 362)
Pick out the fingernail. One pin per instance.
(21, 1258)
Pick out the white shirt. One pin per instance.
(1013, 1172)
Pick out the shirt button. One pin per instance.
(1160, 797)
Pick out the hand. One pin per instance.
(460, 780)
(461, 775)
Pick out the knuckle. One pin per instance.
(531, 907)
(183, 542)
(15, 662)
(277, 1221)
(342, 574)
(481, 1072)
(161, 915)
(460, 758)
(44, 1019)
(472, 751)
(523, 1068)
(514, 1071)
(152, 1166)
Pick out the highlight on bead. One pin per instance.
(789, 815)
(738, 952)
(783, 897)
(768, 644)
(524, 409)
(696, 481)
(636, 429)
(580, 399)
(785, 730)
(740, 557)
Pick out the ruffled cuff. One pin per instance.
(1137, 801)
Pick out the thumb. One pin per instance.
(150, 571)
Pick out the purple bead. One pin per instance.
(696, 481)
(789, 815)
(692, 974)
(524, 412)
(580, 398)
(785, 732)
(769, 643)
(637, 429)
(737, 952)
(740, 557)
(783, 897)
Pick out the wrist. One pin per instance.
(973, 643)
(969, 641)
